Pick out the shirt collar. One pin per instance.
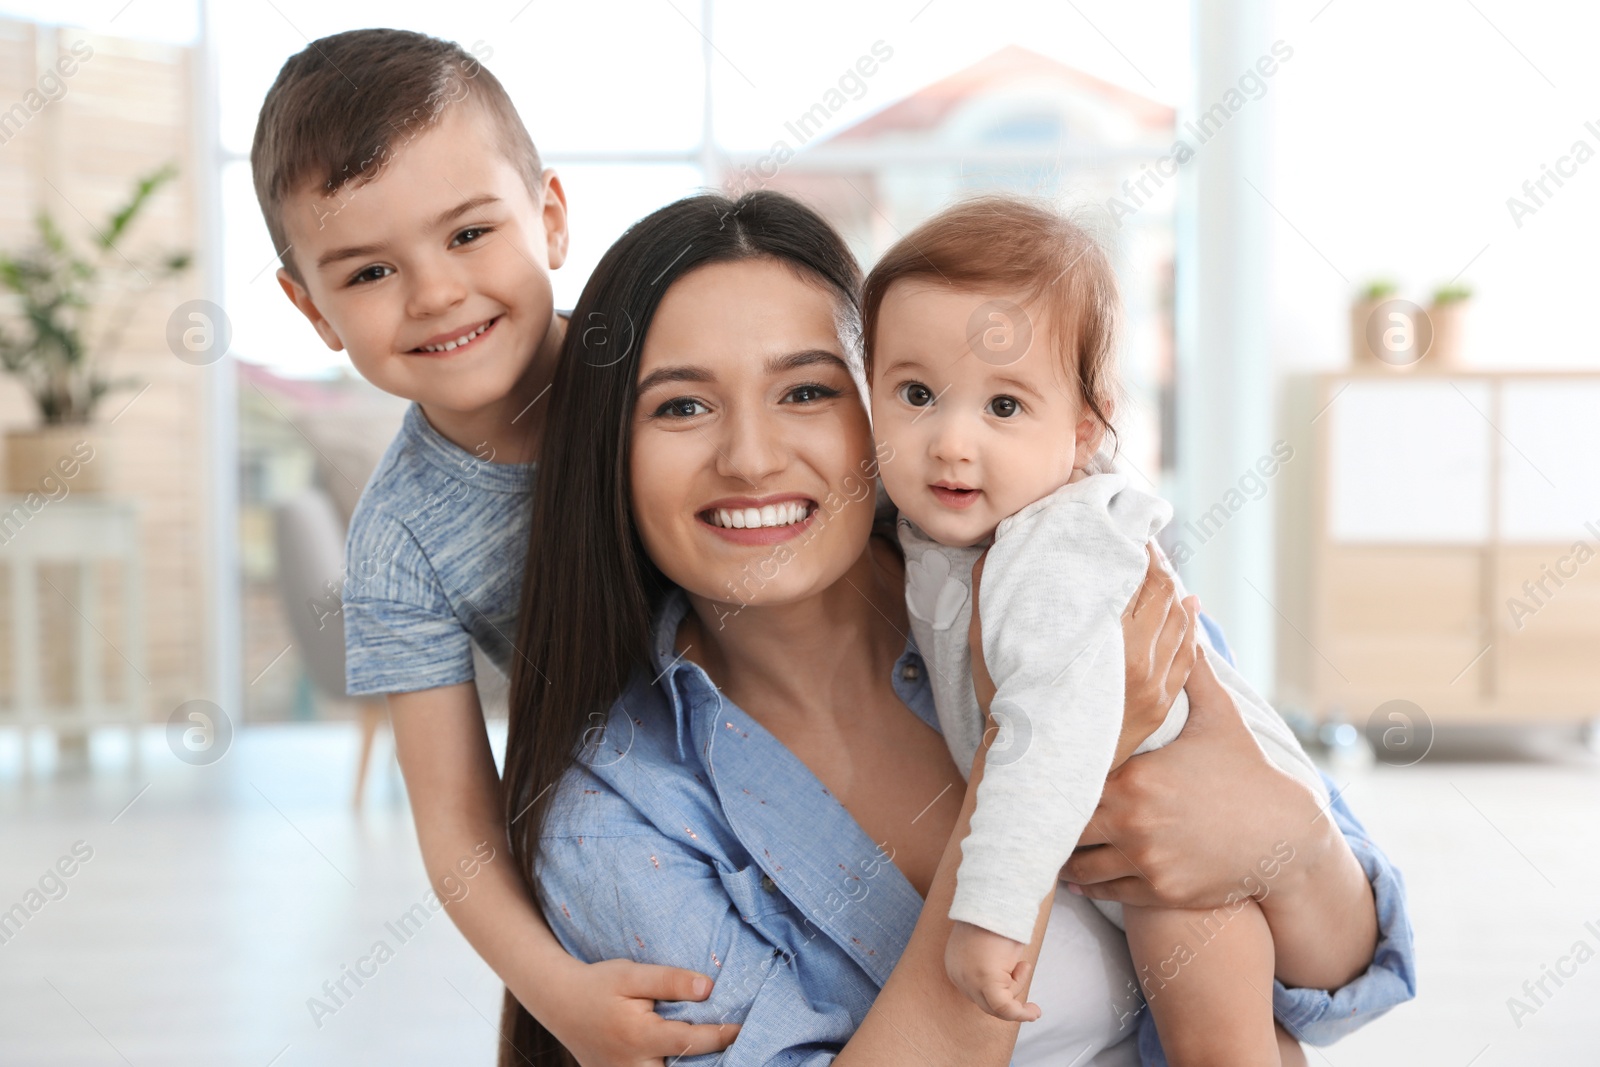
(440, 452)
(669, 664)
(822, 872)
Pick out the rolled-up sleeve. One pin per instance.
(1319, 1017)
(645, 897)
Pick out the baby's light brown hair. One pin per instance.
(1025, 250)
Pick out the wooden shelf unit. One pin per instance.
(1439, 542)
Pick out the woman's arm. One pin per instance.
(674, 904)
(602, 1012)
(1330, 895)
(1261, 832)
(1149, 843)
(920, 1017)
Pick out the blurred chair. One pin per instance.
(309, 535)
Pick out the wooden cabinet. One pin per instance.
(1440, 543)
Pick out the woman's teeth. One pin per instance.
(458, 342)
(785, 514)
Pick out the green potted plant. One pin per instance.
(1366, 301)
(1448, 312)
(67, 307)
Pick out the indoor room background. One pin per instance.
(1356, 245)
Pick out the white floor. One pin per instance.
(219, 899)
(217, 905)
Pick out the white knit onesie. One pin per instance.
(1058, 576)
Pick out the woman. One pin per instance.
(723, 752)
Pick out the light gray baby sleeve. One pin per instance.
(1056, 581)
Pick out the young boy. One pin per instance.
(418, 229)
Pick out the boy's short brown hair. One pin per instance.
(1011, 245)
(342, 107)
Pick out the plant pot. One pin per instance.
(1392, 334)
(1361, 355)
(55, 459)
(1449, 329)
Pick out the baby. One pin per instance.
(990, 347)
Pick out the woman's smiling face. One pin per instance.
(751, 459)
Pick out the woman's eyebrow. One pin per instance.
(808, 358)
(682, 373)
(774, 365)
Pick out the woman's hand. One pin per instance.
(604, 1013)
(1260, 832)
(1149, 843)
(1160, 638)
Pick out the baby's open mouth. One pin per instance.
(954, 496)
(786, 513)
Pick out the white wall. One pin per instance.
(1398, 132)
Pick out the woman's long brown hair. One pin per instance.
(589, 588)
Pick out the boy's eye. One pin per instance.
(370, 274)
(916, 394)
(810, 393)
(1003, 407)
(680, 407)
(468, 235)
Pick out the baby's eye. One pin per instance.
(916, 394)
(1003, 407)
(810, 393)
(680, 407)
(370, 274)
(468, 235)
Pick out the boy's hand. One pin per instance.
(604, 1013)
(991, 971)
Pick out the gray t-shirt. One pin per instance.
(433, 562)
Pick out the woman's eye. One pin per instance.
(681, 407)
(916, 394)
(810, 393)
(468, 235)
(1003, 407)
(370, 274)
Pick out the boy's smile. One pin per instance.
(450, 340)
(434, 275)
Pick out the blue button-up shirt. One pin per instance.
(688, 835)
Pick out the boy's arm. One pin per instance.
(603, 1013)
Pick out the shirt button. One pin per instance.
(909, 672)
(768, 884)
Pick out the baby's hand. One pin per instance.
(990, 970)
